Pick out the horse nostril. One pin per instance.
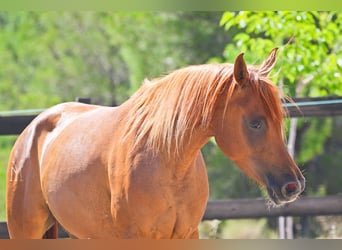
(290, 189)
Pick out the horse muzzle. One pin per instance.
(282, 192)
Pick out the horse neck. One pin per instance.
(182, 156)
(187, 153)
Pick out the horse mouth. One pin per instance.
(286, 190)
(279, 196)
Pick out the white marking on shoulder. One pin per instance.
(16, 174)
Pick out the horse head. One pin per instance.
(248, 127)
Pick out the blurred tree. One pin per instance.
(49, 57)
(56, 56)
(155, 43)
(310, 46)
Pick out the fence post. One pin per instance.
(86, 100)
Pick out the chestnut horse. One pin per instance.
(136, 170)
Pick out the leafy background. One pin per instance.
(55, 56)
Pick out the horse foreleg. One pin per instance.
(194, 235)
(28, 216)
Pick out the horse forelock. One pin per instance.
(270, 95)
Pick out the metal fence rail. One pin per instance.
(315, 107)
(14, 122)
(259, 208)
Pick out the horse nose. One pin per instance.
(291, 189)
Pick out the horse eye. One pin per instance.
(256, 124)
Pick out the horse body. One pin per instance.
(136, 171)
(106, 185)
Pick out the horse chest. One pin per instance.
(164, 207)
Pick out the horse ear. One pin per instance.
(240, 70)
(268, 64)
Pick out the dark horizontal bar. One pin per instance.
(314, 107)
(303, 107)
(258, 208)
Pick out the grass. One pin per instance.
(2, 194)
(6, 143)
(236, 229)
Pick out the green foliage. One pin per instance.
(324, 170)
(310, 46)
(57, 56)
(5, 147)
(313, 142)
(155, 43)
(49, 57)
(226, 179)
(236, 229)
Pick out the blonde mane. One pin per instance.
(162, 109)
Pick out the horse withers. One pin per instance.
(136, 170)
